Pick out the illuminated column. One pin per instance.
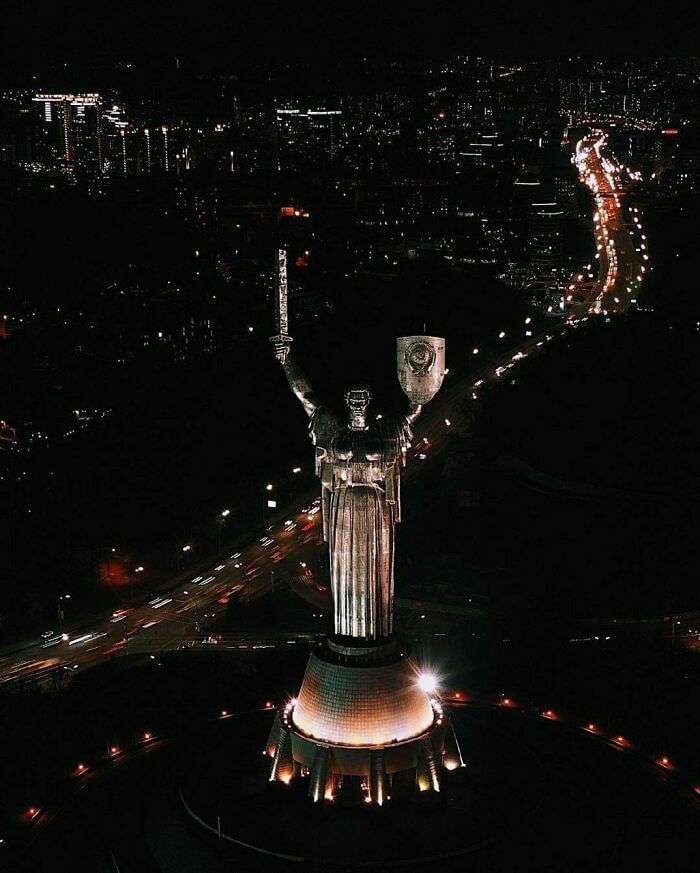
(377, 777)
(283, 763)
(426, 769)
(319, 773)
(274, 738)
(452, 757)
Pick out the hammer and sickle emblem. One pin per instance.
(420, 357)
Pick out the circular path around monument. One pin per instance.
(533, 795)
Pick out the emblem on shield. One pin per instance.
(420, 362)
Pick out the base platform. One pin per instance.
(360, 722)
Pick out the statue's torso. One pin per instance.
(358, 457)
(350, 457)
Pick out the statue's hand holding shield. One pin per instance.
(420, 362)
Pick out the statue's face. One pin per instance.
(357, 401)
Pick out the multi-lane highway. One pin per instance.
(185, 612)
(610, 285)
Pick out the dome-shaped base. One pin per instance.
(361, 705)
(363, 714)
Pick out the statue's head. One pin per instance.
(357, 400)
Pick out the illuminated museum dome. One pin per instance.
(361, 706)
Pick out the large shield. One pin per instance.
(420, 362)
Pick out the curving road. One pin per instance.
(621, 249)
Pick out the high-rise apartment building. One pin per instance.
(306, 139)
(69, 131)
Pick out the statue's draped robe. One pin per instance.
(361, 503)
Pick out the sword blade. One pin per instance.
(282, 312)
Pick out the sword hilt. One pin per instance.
(281, 342)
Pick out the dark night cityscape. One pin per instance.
(349, 438)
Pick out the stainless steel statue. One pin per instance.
(358, 460)
(361, 710)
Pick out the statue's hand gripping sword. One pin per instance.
(281, 340)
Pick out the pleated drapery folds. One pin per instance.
(361, 540)
(361, 504)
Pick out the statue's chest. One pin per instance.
(358, 447)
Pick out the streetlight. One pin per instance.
(138, 569)
(270, 501)
(222, 521)
(60, 614)
(184, 550)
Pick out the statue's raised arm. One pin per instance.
(296, 377)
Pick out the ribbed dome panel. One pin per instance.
(361, 706)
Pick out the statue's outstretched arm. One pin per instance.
(297, 379)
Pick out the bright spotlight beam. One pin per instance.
(428, 682)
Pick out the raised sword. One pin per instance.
(281, 338)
